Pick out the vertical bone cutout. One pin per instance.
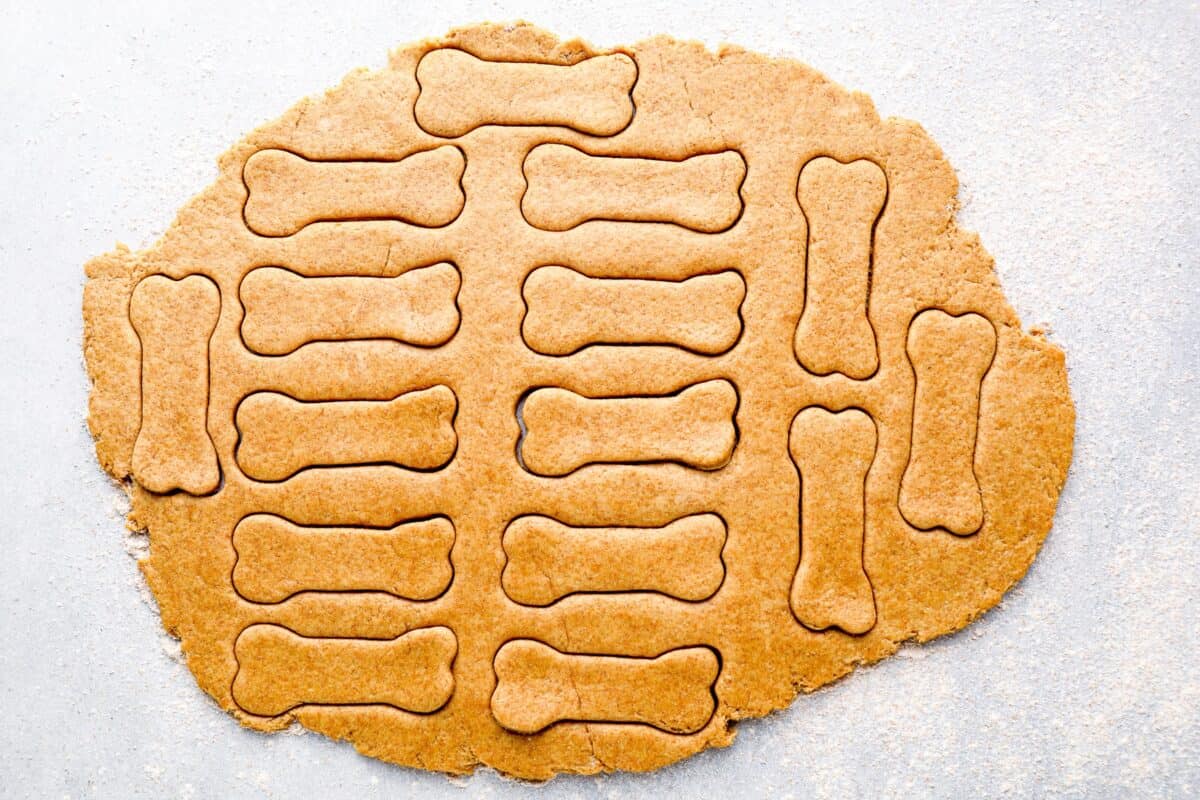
(287, 192)
(174, 321)
(567, 187)
(950, 356)
(459, 92)
(832, 452)
(564, 430)
(840, 203)
(568, 311)
(279, 670)
(277, 558)
(537, 686)
(285, 311)
(548, 560)
(281, 435)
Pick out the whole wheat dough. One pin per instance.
(550, 408)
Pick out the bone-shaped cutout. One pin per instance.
(287, 192)
(459, 92)
(548, 560)
(285, 311)
(174, 321)
(277, 558)
(950, 355)
(537, 686)
(568, 311)
(281, 435)
(565, 430)
(279, 670)
(841, 203)
(567, 187)
(833, 452)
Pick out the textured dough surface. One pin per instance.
(681, 163)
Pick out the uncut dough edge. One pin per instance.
(111, 350)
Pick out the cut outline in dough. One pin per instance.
(637, 74)
(462, 190)
(712, 688)
(737, 432)
(604, 344)
(887, 196)
(340, 592)
(622, 157)
(912, 417)
(323, 276)
(208, 387)
(633, 593)
(356, 464)
(834, 627)
(439, 709)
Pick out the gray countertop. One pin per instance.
(1075, 134)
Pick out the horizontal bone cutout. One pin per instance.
(285, 311)
(564, 431)
(567, 311)
(548, 560)
(950, 356)
(277, 558)
(538, 686)
(566, 187)
(281, 435)
(287, 192)
(279, 670)
(459, 92)
(174, 320)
